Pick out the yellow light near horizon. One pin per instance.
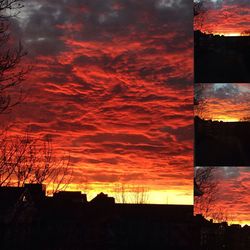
(235, 221)
(226, 119)
(154, 197)
(242, 223)
(228, 34)
(232, 34)
(169, 196)
(177, 197)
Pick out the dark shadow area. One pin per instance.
(219, 236)
(221, 58)
(221, 143)
(31, 220)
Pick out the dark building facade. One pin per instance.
(31, 220)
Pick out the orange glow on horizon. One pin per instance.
(112, 95)
(242, 223)
(232, 34)
(237, 220)
(226, 119)
(221, 102)
(228, 19)
(157, 196)
(232, 188)
(228, 34)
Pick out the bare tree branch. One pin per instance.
(11, 73)
(208, 184)
(199, 9)
(10, 8)
(28, 160)
(136, 194)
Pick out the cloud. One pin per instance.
(233, 193)
(225, 99)
(225, 16)
(107, 77)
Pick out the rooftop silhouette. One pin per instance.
(221, 58)
(67, 221)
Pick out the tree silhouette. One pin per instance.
(245, 119)
(209, 186)
(245, 33)
(136, 194)
(11, 73)
(200, 101)
(12, 152)
(206, 183)
(197, 6)
(23, 159)
(28, 160)
(199, 9)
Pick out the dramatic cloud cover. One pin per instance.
(112, 84)
(224, 101)
(233, 196)
(228, 17)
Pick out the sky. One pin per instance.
(223, 101)
(111, 83)
(233, 197)
(225, 17)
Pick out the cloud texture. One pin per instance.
(224, 16)
(112, 84)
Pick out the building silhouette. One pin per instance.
(31, 220)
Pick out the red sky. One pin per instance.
(224, 101)
(234, 194)
(112, 84)
(228, 17)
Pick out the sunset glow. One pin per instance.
(228, 102)
(106, 86)
(226, 17)
(233, 197)
(231, 34)
(228, 34)
(225, 119)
